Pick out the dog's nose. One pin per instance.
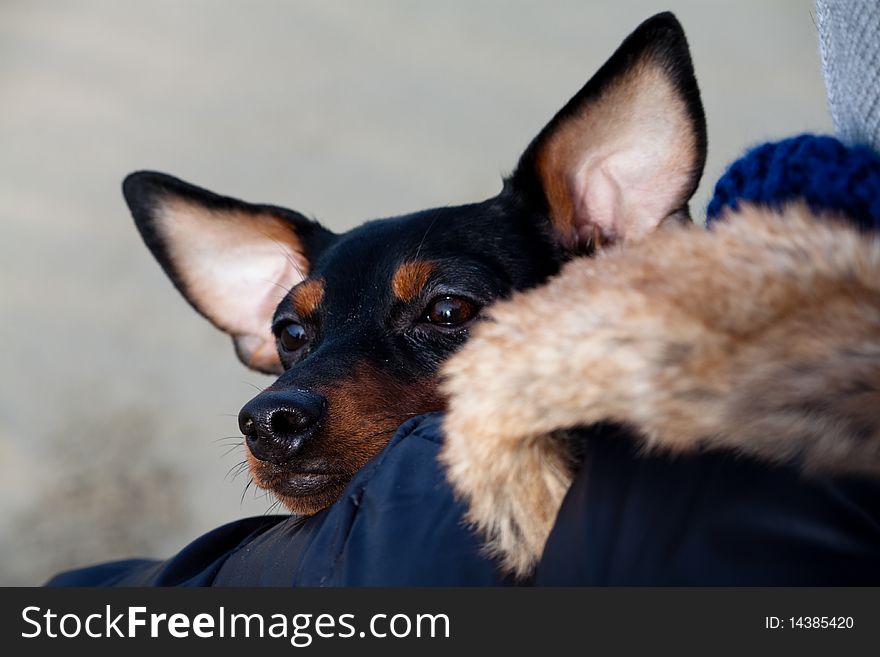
(277, 424)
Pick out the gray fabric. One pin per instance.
(849, 43)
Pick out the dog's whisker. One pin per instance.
(285, 251)
(279, 286)
(272, 507)
(246, 487)
(227, 438)
(236, 470)
(424, 237)
(231, 444)
(233, 448)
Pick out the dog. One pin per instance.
(356, 325)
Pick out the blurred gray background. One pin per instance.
(115, 397)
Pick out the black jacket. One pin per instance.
(627, 520)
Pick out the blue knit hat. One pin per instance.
(819, 170)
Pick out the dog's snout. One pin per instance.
(277, 425)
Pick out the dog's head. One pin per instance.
(355, 325)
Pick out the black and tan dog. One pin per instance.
(357, 325)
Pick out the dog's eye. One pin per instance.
(449, 311)
(292, 337)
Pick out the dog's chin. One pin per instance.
(303, 493)
(306, 494)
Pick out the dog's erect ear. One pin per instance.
(233, 261)
(628, 150)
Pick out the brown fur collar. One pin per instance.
(761, 335)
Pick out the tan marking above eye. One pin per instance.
(307, 296)
(410, 279)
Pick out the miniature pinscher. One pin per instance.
(356, 325)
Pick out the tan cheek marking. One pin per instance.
(366, 408)
(410, 279)
(307, 296)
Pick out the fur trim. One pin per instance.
(761, 335)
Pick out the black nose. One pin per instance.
(277, 424)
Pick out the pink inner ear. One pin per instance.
(626, 193)
(236, 267)
(623, 163)
(597, 200)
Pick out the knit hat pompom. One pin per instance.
(819, 170)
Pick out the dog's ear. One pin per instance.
(627, 151)
(233, 261)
